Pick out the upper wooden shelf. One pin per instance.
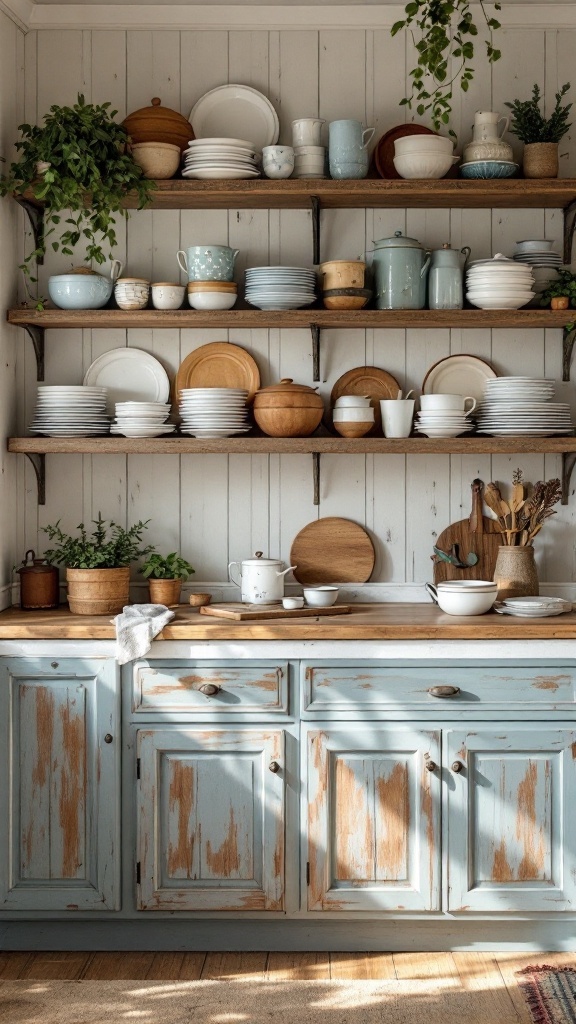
(178, 194)
(60, 319)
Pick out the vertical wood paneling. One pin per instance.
(514, 77)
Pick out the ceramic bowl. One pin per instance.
(80, 291)
(167, 295)
(321, 597)
(157, 159)
(353, 414)
(488, 169)
(424, 164)
(466, 601)
(212, 299)
(346, 298)
(477, 586)
(353, 401)
(131, 292)
(423, 143)
(278, 161)
(292, 602)
(534, 245)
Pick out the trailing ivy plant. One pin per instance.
(447, 33)
(529, 124)
(109, 546)
(89, 173)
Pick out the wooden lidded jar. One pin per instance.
(39, 583)
(159, 124)
(288, 409)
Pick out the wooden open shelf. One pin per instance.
(179, 194)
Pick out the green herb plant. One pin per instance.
(446, 49)
(168, 567)
(530, 125)
(564, 285)
(109, 546)
(90, 173)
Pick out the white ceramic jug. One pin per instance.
(487, 142)
(261, 579)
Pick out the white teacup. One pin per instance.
(397, 414)
(447, 403)
(306, 131)
(166, 295)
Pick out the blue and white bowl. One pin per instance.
(488, 169)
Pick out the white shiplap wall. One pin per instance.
(220, 508)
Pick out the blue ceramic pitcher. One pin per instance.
(347, 149)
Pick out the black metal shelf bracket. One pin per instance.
(36, 217)
(568, 339)
(569, 228)
(316, 477)
(568, 463)
(39, 463)
(315, 204)
(37, 335)
(315, 332)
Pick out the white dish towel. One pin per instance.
(136, 627)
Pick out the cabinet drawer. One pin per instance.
(395, 685)
(198, 688)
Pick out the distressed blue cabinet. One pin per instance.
(60, 794)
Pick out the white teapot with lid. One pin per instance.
(261, 579)
(487, 142)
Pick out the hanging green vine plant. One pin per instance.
(447, 33)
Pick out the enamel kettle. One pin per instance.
(400, 271)
(261, 579)
(446, 278)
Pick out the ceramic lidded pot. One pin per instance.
(159, 124)
(400, 272)
(288, 409)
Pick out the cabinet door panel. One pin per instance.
(211, 821)
(373, 820)
(510, 813)
(62, 802)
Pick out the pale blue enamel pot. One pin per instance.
(400, 266)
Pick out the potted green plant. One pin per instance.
(165, 574)
(97, 563)
(561, 293)
(446, 50)
(77, 161)
(540, 135)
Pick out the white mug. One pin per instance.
(306, 131)
(447, 403)
(397, 416)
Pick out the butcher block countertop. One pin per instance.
(364, 622)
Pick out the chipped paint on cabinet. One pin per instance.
(211, 820)
(510, 814)
(203, 688)
(373, 813)
(61, 849)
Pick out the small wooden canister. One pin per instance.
(39, 583)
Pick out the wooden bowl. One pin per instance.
(288, 422)
(344, 301)
(351, 429)
(198, 600)
(157, 159)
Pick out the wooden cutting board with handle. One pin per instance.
(478, 534)
(245, 613)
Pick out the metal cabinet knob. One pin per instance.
(274, 767)
(457, 766)
(444, 691)
(430, 766)
(108, 737)
(210, 689)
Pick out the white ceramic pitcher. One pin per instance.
(261, 579)
(487, 142)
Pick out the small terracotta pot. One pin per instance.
(165, 592)
(540, 160)
(560, 302)
(515, 572)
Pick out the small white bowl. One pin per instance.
(353, 414)
(167, 294)
(353, 401)
(534, 245)
(292, 602)
(426, 164)
(212, 300)
(321, 597)
(419, 143)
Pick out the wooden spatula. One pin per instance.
(478, 535)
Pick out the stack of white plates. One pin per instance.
(443, 424)
(522, 405)
(71, 411)
(499, 283)
(142, 419)
(537, 252)
(214, 412)
(280, 287)
(533, 607)
(221, 158)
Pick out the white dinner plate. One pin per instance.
(227, 143)
(236, 109)
(220, 174)
(458, 375)
(130, 375)
(216, 431)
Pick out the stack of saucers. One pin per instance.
(280, 287)
(221, 158)
(522, 405)
(214, 412)
(445, 423)
(545, 263)
(71, 411)
(499, 283)
(142, 419)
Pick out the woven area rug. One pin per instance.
(550, 993)
(242, 1002)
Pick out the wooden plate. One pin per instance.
(384, 150)
(218, 365)
(332, 550)
(367, 380)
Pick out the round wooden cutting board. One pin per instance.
(332, 550)
(219, 364)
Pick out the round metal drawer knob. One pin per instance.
(430, 766)
(444, 691)
(108, 737)
(274, 767)
(209, 689)
(457, 766)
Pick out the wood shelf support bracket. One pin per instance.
(35, 215)
(568, 339)
(315, 204)
(37, 334)
(569, 228)
(568, 463)
(39, 463)
(316, 476)
(315, 332)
